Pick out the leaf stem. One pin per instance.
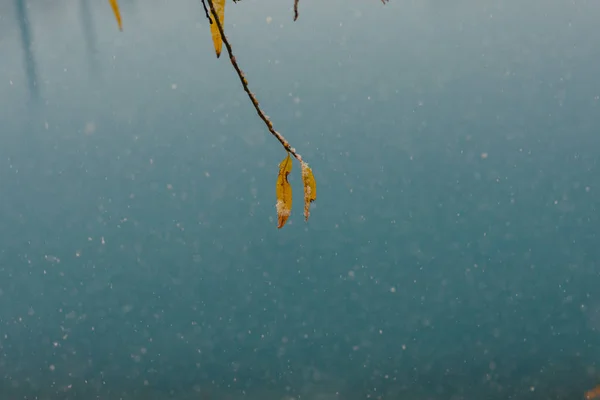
(240, 73)
(206, 11)
(296, 9)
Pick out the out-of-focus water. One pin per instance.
(452, 251)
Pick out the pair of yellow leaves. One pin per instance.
(284, 190)
(216, 35)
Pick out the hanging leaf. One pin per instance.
(593, 394)
(284, 192)
(214, 30)
(310, 188)
(115, 8)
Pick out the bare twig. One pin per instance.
(206, 11)
(251, 95)
(296, 9)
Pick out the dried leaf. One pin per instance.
(284, 192)
(115, 8)
(219, 6)
(310, 188)
(593, 394)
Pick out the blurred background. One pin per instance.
(451, 253)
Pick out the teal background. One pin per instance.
(451, 253)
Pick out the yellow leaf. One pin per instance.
(219, 6)
(115, 8)
(284, 192)
(310, 188)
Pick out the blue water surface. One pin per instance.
(451, 253)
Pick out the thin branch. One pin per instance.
(296, 9)
(206, 11)
(251, 95)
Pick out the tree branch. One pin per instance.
(296, 9)
(251, 95)
(206, 11)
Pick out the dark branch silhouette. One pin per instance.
(206, 11)
(296, 9)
